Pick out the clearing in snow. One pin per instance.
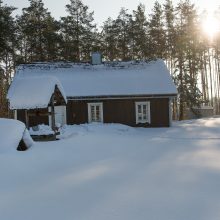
(115, 172)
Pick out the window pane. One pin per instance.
(97, 113)
(92, 113)
(139, 109)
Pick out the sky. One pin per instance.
(105, 8)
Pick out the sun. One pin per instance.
(210, 25)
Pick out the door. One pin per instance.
(60, 115)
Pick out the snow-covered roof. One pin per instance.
(31, 92)
(108, 79)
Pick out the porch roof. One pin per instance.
(33, 92)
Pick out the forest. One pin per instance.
(171, 32)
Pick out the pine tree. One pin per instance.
(122, 27)
(109, 39)
(140, 40)
(7, 53)
(78, 32)
(216, 64)
(156, 32)
(169, 17)
(186, 58)
(37, 33)
(117, 38)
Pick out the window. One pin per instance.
(142, 112)
(95, 112)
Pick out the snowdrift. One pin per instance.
(11, 133)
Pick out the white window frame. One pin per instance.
(148, 116)
(100, 104)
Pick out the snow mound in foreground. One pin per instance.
(69, 131)
(11, 132)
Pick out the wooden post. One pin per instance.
(26, 119)
(170, 112)
(52, 113)
(15, 114)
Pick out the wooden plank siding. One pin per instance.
(120, 111)
(36, 117)
(114, 111)
(77, 112)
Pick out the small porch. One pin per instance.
(42, 103)
(53, 114)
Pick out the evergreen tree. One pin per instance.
(156, 32)
(169, 17)
(78, 32)
(109, 37)
(117, 38)
(186, 58)
(216, 63)
(7, 53)
(37, 33)
(123, 30)
(140, 40)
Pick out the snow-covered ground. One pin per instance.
(115, 172)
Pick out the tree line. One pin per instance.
(172, 33)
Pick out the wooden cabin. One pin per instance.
(131, 93)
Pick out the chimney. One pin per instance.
(96, 58)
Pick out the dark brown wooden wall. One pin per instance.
(160, 113)
(120, 111)
(34, 120)
(114, 111)
(21, 115)
(77, 112)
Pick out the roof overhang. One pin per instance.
(121, 97)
